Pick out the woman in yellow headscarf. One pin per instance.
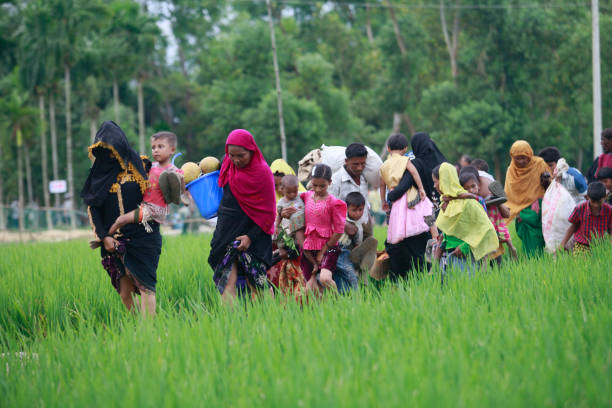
(280, 169)
(525, 189)
(463, 220)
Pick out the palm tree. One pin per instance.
(72, 19)
(38, 59)
(114, 47)
(19, 116)
(142, 34)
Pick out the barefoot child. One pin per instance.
(590, 219)
(324, 218)
(290, 237)
(154, 205)
(345, 276)
(407, 217)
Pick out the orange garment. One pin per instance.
(523, 184)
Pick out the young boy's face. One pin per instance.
(290, 192)
(472, 187)
(608, 183)
(553, 166)
(161, 150)
(595, 204)
(355, 212)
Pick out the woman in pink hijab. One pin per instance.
(241, 248)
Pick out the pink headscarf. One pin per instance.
(253, 185)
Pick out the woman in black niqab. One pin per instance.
(115, 185)
(409, 254)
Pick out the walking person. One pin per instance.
(241, 247)
(409, 254)
(116, 184)
(526, 180)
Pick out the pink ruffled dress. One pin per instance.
(323, 219)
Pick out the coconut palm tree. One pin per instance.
(142, 35)
(19, 116)
(38, 60)
(72, 20)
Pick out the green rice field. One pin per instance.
(534, 333)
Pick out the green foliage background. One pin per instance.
(523, 72)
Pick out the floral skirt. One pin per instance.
(290, 278)
(249, 267)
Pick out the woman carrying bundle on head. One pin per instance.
(241, 247)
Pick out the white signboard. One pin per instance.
(57, 186)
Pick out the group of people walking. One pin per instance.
(275, 233)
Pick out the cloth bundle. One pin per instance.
(334, 157)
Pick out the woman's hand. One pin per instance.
(245, 242)
(444, 205)
(288, 212)
(110, 244)
(385, 207)
(422, 194)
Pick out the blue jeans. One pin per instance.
(465, 265)
(344, 275)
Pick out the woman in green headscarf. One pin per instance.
(468, 232)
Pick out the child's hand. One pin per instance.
(422, 194)
(444, 205)
(95, 244)
(283, 253)
(288, 212)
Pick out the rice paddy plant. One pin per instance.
(532, 333)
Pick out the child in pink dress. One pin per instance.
(325, 216)
(408, 214)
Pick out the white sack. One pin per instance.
(334, 157)
(557, 206)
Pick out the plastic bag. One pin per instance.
(557, 206)
(334, 157)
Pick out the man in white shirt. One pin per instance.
(350, 177)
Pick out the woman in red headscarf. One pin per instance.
(241, 247)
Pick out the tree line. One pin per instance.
(476, 76)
